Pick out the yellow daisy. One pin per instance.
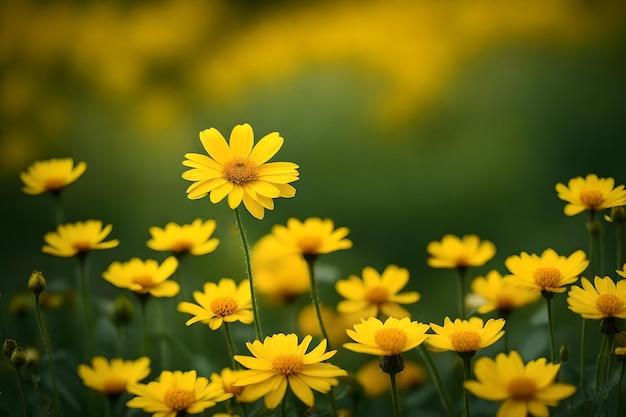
(375, 382)
(376, 293)
(312, 237)
(465, 335)
(78, 238)
(279, 361)
(601, 300)
(524, 388)
(194, 238)
(390, 338)
(239, 170)
(114, 376)
(590, 193)
(144, 277)
(221, 302)
(280, 277)
(227, 379)
(175, 393)
(454, 252)
(51, 175)
(501, 293)
(548, 272)
(622, 272)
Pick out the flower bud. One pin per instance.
(618, 215)
(594, 228)
(620, 339)
(123, 311)
(36, 282)
(8, 347)
(564, 353)
(392, 364)
(18, 358)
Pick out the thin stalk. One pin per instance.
(21, 389)
(461, 291)
(82, 278)
(231, 345)
(548, 296)
(143, 301)
(45, 340)
(467, 375)
(164, 351)
(619, 386)
(58, 208)
(395, 401)
(618, 246)
(443, 393)
(246, 253)
(582, 358)
(599, 360)
(310, 260)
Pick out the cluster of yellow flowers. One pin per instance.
(371, 314)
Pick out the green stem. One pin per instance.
(548, 296)
(21, 389)
(599, 361)
(58, 208)
(595, 245)
(143, 301)
(618, 246)
(461, 288)
(45, 340)
(394, 396)
(162, 330)
(310, 260)
(582, 358)
(443, 393)
(619, 386)
(82, 278)
(246, 253)
(231, 346)
(467, 375)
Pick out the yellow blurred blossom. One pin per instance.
(78, 238)
(591, 194)
(455, 252)
(114, 376)
(314, 236)
(51, 175)
(194, 238)
(144, 277)
(501, 293)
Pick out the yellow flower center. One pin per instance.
(82, 246)
(547, 277)
(114, 386)
(390, 340)
(178, 399)
(181, 246)
(309, 244)
(144, 280)
(287, 364)
(377, 295)
(522, 388)
(609, 305)
(224, 306)
(465, 341)
(54, 184)
(505, 302)
(591, 198)
(240, 171)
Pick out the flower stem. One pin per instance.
(310, 260)
(246, 253)
(582, 357)
(618, 245)
(443, 393)
(548, 296)
(58, 208)
(45, 340)
(619, 387)
(462, 292)
(467, 375)
(82, 278)
(21, 389)
(394, 396)
(231, 346)
(143, 301)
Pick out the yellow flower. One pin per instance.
(524, 389)
(227, 379)
(375, 382)
(221, 302)
(501, 293)
(376, 293)
(455, 252)
(390, 338)
(622, 272)
(548, 272)
(239, 170)
(78, 238)
(312, 237)
(51, 175)
(465, 335)
(175, 393)
(601, 300)
(280, 361)
(279, 276)
(115, 376)
(194, 238)
(144, 277)
(590, 193)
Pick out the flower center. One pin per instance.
(114, 386)
(591, 198)
(465, 341)
(547, 277)
(240, 171)
(287, 364)
(505, 302)
(377, 295)
(144, 280)
(179, 399)
(309, 244)
(54, 184)
(522, 388)
(390, 340)
(82, 246)
(609, 305)
(181, 246)
(224, 306)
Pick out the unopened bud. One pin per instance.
(123, 311)
(618, 215)
(18, 357)
(620, 339)
(36, 283)
(594, 228)
(8, 347)
(392, 364)
(564, 353)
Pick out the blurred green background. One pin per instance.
(409, 120)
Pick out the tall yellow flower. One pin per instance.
(601, 300)
(239, 170)
(465, 335)
(374, 293)
(175, 393)
(279, 361)
(312, 237)
(221, 302)
(549, 272)
(501, 293)
(454, 252)
(51, 175)
(114, 376)
(590, 193)
(194, 238)
(144, 277)
(78, 238)
(523, 388)
(390, 338)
